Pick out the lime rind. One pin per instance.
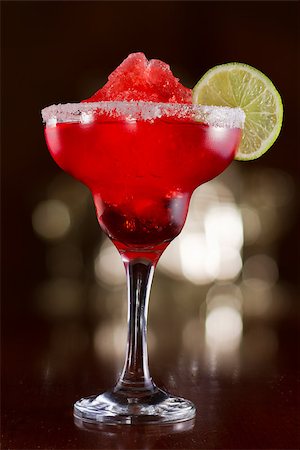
(241, 85)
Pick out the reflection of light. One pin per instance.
(130, 120)
(52, 122)
(223, 328)
(86, 117)
(252, 224)
(109, 268)
(60, 297)
(51, 219)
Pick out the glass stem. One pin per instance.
(135, 379)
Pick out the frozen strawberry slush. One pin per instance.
(136, 78)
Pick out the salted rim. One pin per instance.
(218, 116)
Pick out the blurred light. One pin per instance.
(64, 260)
(259, 345)
(194, 367)
(110, 341)
(260, 274)
(223, 328)
(170, 261)
(51, 219)
(257, 296)
(111, 303)
(72, 193)
(260, 267)
(230, 263)
(270, 193)
(252, 224)
(223, 223)
(108, 266)
(271, 224)
(224, 300)
(60, 297)
(270, 187)
(68, 339)
(193, 336)
(203, 197)
(199, 262)
(209, 246)
(224, 294)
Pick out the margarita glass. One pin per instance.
(141, 161)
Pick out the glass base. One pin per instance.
(114, 408)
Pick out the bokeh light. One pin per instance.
(73, 194)
(260, 344)
(60, 298)
(64, 260)
(224, 294)
(223, 328)
(260, 274)
(110, 341)
(223, 223)
(260, 268)
(219, 273)
(199, 262)
(109, 268)
(268, 193)
(51, 219)
(193, 336)
(209, 246)
(252, 224)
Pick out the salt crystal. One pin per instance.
(217, 116)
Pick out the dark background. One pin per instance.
(61, 52)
